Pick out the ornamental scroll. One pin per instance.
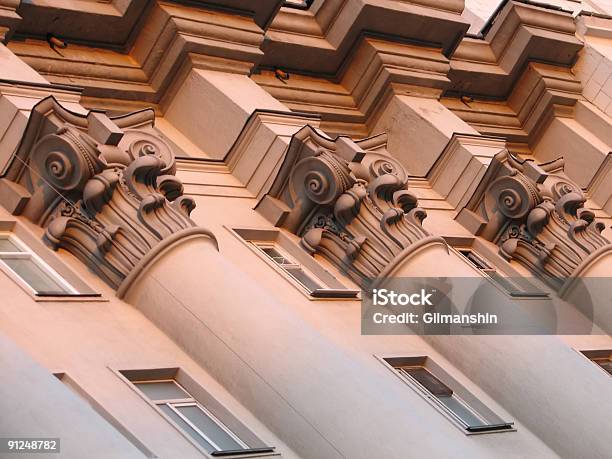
(104, 189)
(537, 216)
(348, 204)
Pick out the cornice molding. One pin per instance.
(103, 189)
(375, 65)
(502, 66)
(114, 24)
(375, 70)
(541, 92)
(110, 24)
(521, 33)
(594, 26)
(172, 37)
(9, 19)
(317, 41)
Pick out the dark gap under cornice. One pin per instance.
(493, 17)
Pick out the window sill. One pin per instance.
(246, 453)
(74, 298)
(494, 428)
(328, 293)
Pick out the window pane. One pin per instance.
(605, 364)
(209, 427)
(162, 390)
(429, 381)
(276, 256)
(475, 259)
(34, 276)
(187, 428)
(303, 278)
(461, 410)
(504, 282)
(7, 246)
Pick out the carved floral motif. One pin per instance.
(357, 212)
(542, 221)
(107, 194)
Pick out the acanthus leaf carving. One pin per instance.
(537, 216)
(108, 204)
(353, 208)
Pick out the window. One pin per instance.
(300, 4)
(515, 286)
(601, 358)
(192, 417)
(299, 266)
(306, 279)
(448, 395)
(30, 270)
(210, 426)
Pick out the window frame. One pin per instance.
(491, 272)
(600, 355)
(35, 246)
(27, 253)
(206, 401)
(304, 5)
(495, 423)
(287, 268)
(191, 401)
(331, 287)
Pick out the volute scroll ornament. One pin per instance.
(348, 204)
(103, 189)
(537, 216)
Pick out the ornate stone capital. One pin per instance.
(348, 204)
(537, 216)
(103, 188)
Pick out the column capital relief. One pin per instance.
(348, 201)
(536, 216)
(104, 189)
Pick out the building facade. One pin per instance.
(194, 194)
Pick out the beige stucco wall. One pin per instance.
(296, 371)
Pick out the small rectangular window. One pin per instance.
(30, 270)
(602, 358)
(306, 279)
(514, 286)
(298, 265)
(193, 418)
(473, 416)
(299, 4)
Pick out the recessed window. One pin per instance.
(300, 267)
(295, 270)
(601, 358)
(209, 431)
(515, 286)
(447, 394)
(192, 417)
(30, 270)
(300, 4)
